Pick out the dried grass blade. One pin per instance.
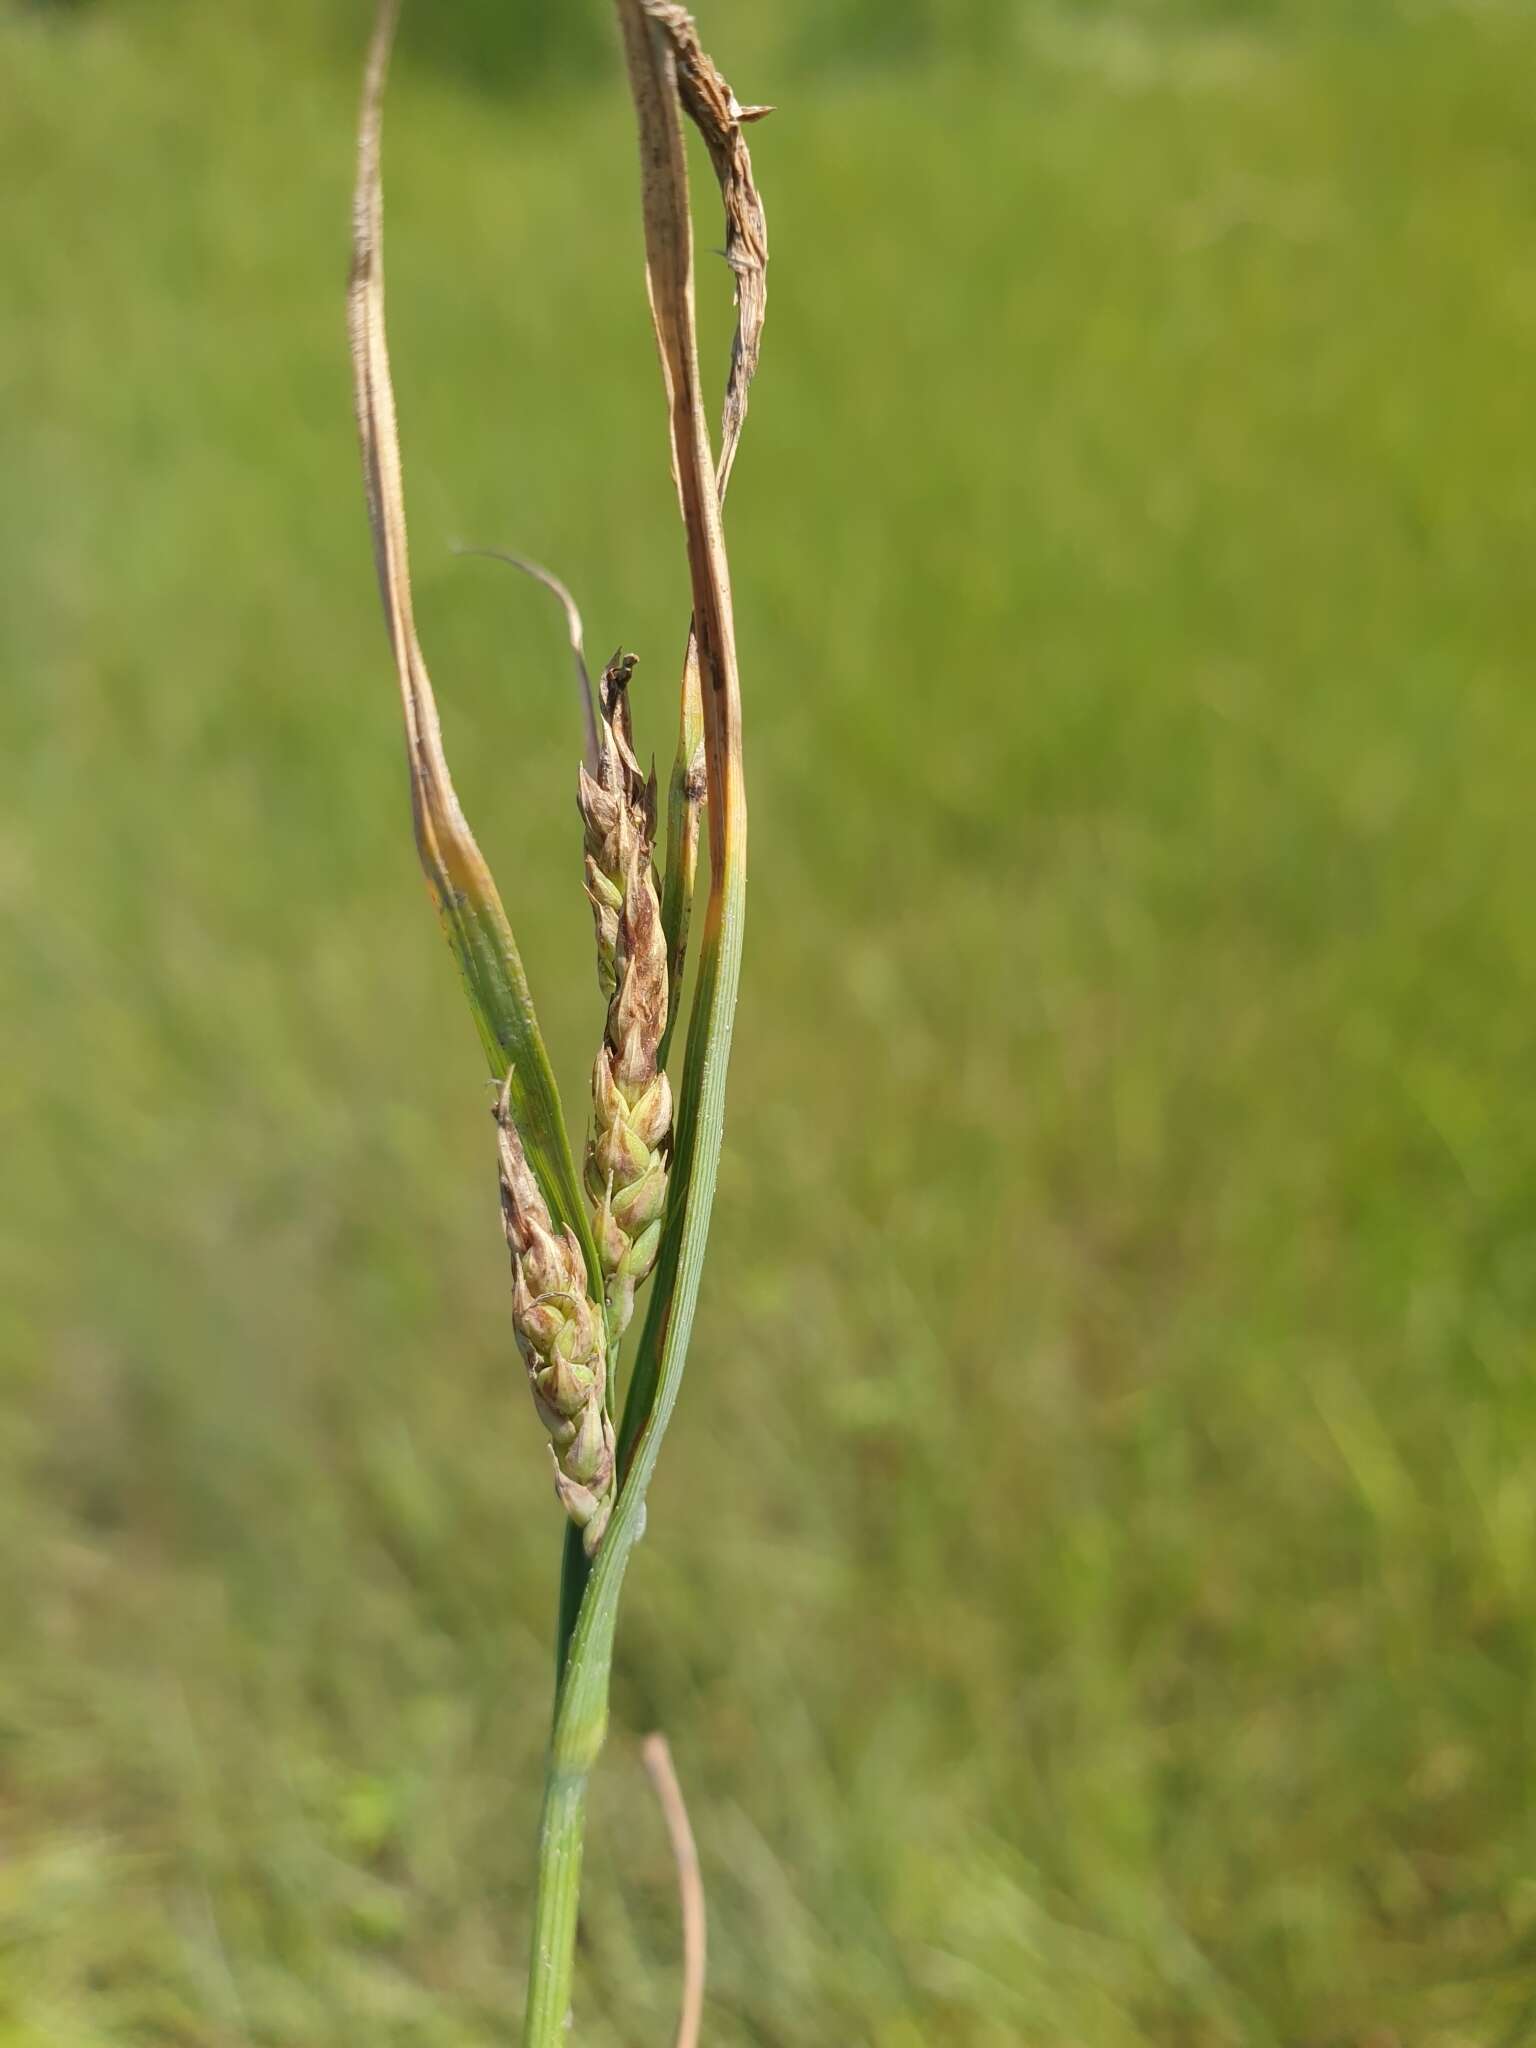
(457, 876)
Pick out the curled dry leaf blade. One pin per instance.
(714, 110)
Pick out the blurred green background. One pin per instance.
(1091, 1583)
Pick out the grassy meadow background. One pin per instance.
(1091, 1584)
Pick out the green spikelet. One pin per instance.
(626, 1163)
(560, 1334)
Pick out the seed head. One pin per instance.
(627, 1155)
(560, 1334)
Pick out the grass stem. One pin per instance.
(557, 1900)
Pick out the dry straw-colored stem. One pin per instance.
(656, 1755)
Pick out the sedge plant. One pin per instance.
(583, 1242)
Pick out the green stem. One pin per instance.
(552, 1966)
(589, 1611)
(575, 1570)
(575, 1743)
